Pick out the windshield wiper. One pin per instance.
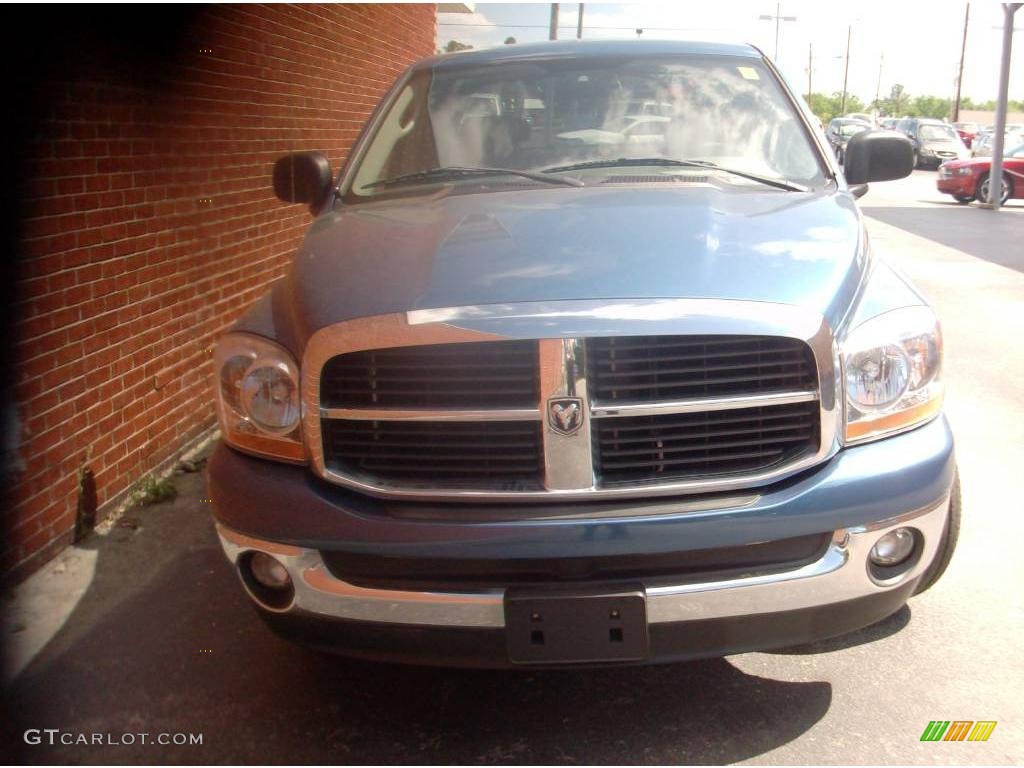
(666, 161)
(457, 172)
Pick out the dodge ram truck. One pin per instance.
(540, 390)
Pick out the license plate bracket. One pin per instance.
(576, 626)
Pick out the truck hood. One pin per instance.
(548, 244)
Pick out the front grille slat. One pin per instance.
(698, 448)
(660, 356)
(647, 385)
(615, 373)
(673, 420)
(613, 465)
(665, 434)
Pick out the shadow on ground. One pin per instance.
(989, 235)
(882, 629)
(165, 641)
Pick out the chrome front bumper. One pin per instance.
(841, 574)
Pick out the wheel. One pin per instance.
(915, 160)
(948, 543)
(964, 199)
(841, 157)
(983, 189)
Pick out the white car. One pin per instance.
(982, 146)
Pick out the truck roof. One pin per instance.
(585, 48)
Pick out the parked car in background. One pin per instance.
(518, 406)
(968, 180)
(862, 116)
(841, 130)
(888, 123)
(967, 132)
(934, 141)
(985, 143)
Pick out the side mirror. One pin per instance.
(877, 156)
(303, 177)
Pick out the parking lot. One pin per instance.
(157, 637)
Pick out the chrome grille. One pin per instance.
(687, 445)
(450, 407)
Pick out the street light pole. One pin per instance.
(778, 11)
(995, 179)
(553, 26)
(579, 23)
(778, 17)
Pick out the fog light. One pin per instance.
(893, 548)
(268, 571)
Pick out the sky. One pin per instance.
(916, 44)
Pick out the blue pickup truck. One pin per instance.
(585, 359)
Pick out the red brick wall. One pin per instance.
(150, 226)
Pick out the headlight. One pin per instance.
(891, 366)
(963, 171)
(258, 398)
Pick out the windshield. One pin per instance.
(936, 133)
(533, 115)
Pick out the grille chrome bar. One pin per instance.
(701, 404)
(568, 459)
(447, 414)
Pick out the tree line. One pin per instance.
(899, 103)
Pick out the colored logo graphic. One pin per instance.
(958, 730)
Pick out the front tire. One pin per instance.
(983, 189)
(964, 199)
(947, 545)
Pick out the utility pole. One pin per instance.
(810, 66)
(553, 27)
(777, 18)
(960, 72)
(579, 23)
(878, 85)
(846, 72)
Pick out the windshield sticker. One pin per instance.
(749, 73)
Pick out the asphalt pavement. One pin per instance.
(145, 629)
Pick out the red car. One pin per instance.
(967, 180)
(967, 132)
